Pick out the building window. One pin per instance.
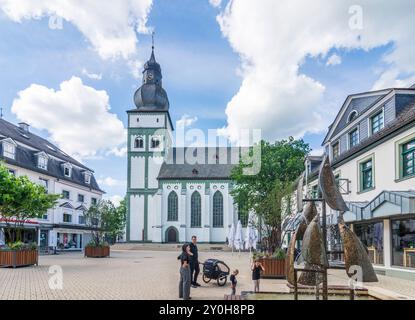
(65, 194)
(366, 175)
(315, 192)
(243, 214)
(42, 163)
(44, 183)
(352, 116)
(353, 138)
(408, 159)
(172, 207)
(67, 171)
(13, 172)
(218, 210)
(9, 150)
(371, 236)
(81, 219)
(196, 211)
(336, 150)
(139, 143)
(155, 143)
(81, 198)
(376, 122)
(94, 201)
(403, 243)
(45, 217)
(87, 176)
(67, 217)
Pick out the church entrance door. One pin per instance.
(172, 235)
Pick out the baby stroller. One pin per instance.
(216, 270)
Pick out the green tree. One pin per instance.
(264, 193)
(20, 201)
(105, 221)
(117, 221)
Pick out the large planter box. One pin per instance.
(18, 258)
(274, 268)
(97, 252)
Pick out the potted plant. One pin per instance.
(274, 264)
(21, 201)
(105, 221)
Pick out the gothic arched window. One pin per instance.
(172, 207)
(196, 211)
(139, 143)
(218, 210)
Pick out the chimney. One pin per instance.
(24, 126)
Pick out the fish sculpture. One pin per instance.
(310, 211)
(329, 189)
(355, 254)
(313, 251)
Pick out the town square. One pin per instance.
(207, 150)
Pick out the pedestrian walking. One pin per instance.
(185, 276)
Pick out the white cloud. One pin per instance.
(274, 38)
(76, 116)
(317, 152)
(93, 76)
(110, 26)
(215, 3)
(115, 199)
(111, 182)
(334, 60)
(186, 121)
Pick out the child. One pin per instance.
(234, 281)
(256, 274)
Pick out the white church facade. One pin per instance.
(173, 193)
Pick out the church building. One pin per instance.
(173, 193)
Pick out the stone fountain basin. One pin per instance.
(301, 296)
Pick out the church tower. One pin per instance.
(149, 138)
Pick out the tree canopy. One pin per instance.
(281, 164)
(22, 200)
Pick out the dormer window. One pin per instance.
(42, 161)
(9, 148)
(377, 122)
(67, 170)
(87, 176)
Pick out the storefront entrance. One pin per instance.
(69, 241)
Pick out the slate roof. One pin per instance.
(26, 157)
(216, 164)
(360, 105)
(406, 117)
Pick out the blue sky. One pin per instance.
(203, 67)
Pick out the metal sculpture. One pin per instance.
(355, 254)
(328, 187)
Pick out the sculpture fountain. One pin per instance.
(314, 240)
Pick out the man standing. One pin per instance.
(194, 263)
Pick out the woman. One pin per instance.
(185, 277)
(256, 268)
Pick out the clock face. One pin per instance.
(150, 76)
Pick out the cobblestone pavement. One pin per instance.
(138, 274)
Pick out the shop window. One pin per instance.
(403, 243)
(371, 236)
